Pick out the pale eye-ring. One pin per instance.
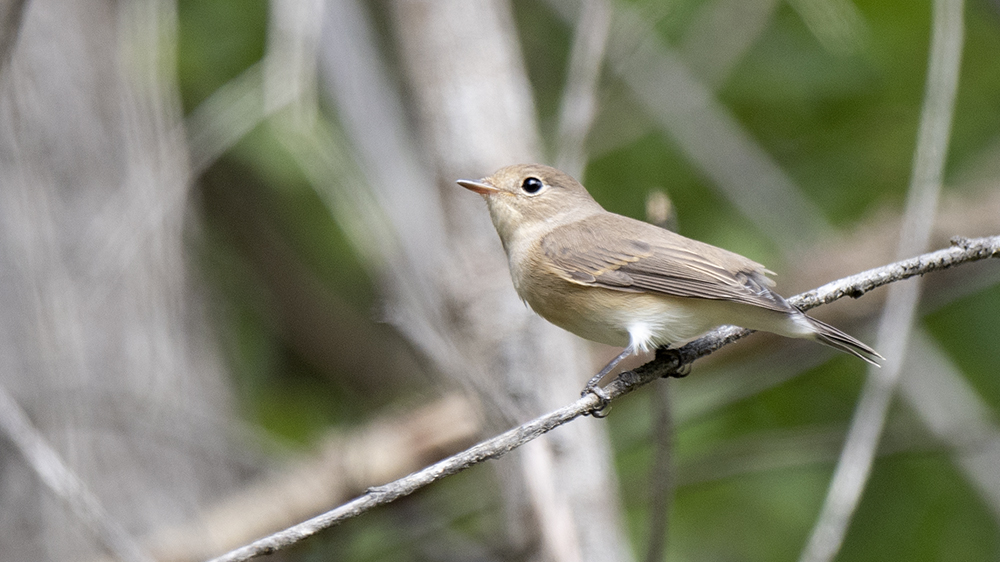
(532, 185)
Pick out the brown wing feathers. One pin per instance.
(656, 260)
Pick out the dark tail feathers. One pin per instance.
(836, 339)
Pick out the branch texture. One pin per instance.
(666, 364)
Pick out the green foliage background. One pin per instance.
(751, 474)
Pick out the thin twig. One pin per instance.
(855, 463)
(665, 365)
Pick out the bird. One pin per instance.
(616, 280)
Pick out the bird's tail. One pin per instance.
(836, 339)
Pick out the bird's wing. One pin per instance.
(623, 254)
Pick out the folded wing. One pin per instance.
(623, 254)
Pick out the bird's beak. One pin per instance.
(478, 186)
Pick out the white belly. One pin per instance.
(646, 321)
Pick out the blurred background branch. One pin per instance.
(63, 483)
(896, 324)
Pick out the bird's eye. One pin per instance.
(531, 185)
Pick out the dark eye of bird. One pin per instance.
(531, 185)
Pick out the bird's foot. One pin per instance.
(682, 370)
(603, 400)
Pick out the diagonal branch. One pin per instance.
(665, 365)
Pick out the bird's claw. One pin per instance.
(604, 401)
(681, 372)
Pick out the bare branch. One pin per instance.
(665, 365)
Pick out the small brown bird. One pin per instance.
(624, 282)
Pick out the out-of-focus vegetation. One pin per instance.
(837, 110)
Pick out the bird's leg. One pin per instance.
(592, 386)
